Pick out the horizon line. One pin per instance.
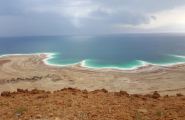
(96, 34)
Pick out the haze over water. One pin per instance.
(122, 51)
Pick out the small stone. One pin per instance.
(18, 114)
(57, 118)
(38, 116)
(85, 92)
(142, 110)
(51, 114)
(42, 96)
(85, 96)
(124, 93)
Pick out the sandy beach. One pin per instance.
(33, 71)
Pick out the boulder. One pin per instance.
(104, 90)
(5, 93)
(156, 95)
(179, 94)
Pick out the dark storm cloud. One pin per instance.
(61, 17)
(122, 16)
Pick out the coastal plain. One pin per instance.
(33, 72)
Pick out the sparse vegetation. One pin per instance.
(19, 110)
(159, 112)
(69, 100)
(132, 97)
(1, 104)
(177, 110)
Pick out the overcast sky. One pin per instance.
(86, 17)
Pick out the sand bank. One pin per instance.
(33, 71)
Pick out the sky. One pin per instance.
(87, 17)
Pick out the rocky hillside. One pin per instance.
(74, 104)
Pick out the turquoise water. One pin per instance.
(104, 51)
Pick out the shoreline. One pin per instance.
(137, 69)
(32, 71)
(144, 64)
(82, 63)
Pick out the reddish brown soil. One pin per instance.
(74, 104)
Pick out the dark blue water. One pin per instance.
(122, 51)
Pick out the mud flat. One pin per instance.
(33, 71)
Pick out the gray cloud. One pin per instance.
(99, 13)
(146, 6)
(64, 17)
(153, 17)
(122, 16)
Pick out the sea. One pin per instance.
(123, 51)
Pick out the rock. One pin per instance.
(57, 118)
(38, 116)
(18, 114)
(156, 95)
(95, 91)
(117, 94)
(61, 102)
(166, 96)
(144, 98)
(14, 92)
(104, 90)
(85, 96)
(183, 98)
(85, 92)
(48, 92)
(22, 91)
(5, 93)
(18, 78)
(124, 93)
(35, 78)
(70, 88)
(64, 89)
(42, 91)
(179, 94)
(42, 96)
(35, 91)
(142, 110)
(51, 114)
